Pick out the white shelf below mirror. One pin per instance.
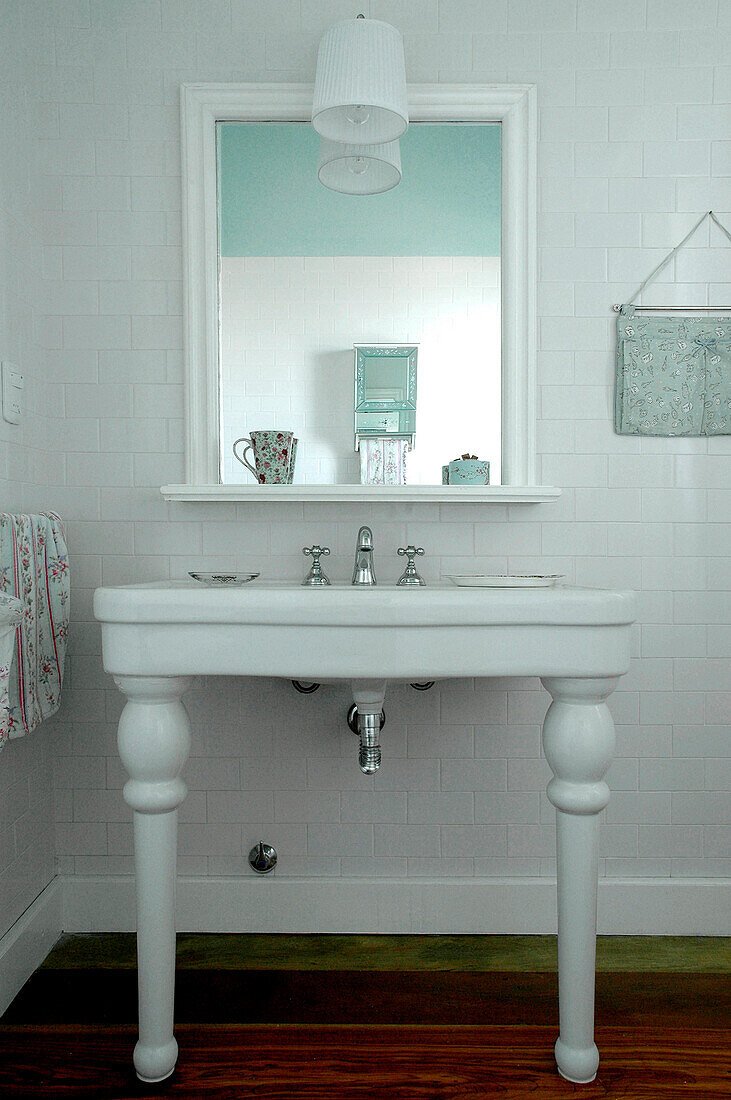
(404, 494)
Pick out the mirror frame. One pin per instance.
(514, 106)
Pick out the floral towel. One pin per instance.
(673, 375)
(34, 568)
(11, 614)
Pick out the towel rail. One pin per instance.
(617, 307)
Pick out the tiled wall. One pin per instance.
(16, 260)
(634, 124)
(288, 325)
(27, 847)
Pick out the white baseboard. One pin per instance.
(641, 907)
(649, 907)
(26, 944)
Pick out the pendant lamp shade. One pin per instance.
(360, 84)
(359, 169)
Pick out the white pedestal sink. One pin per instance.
(156, 636)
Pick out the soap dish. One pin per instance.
(504, 580)
(222, 580)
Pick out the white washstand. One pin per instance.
(157, 636)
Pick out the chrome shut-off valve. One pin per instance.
(263, 858)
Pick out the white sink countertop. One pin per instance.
(349, 605)
(184, 628)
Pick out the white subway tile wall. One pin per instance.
(27, 848)
(633, 122)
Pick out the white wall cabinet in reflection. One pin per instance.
(385, 391)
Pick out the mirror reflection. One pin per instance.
(331, 304)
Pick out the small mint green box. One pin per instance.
(466, 471)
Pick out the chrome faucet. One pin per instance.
(363, 571)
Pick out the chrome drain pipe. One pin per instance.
(369, 731)
(366, 718)
(367, 728)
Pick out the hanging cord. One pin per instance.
(671, 255)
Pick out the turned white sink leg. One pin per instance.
(154, 742)
(578, 740)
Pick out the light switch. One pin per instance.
(13, 383)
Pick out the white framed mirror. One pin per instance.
(212, 386)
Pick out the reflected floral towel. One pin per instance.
(34, 568)
(673, 375)
(371, 461)
(383, 461)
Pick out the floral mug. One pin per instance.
(274, 456)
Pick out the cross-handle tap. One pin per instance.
(363, 570)
(315, 578)
(409, 575)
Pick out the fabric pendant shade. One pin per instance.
(360, 84)
(359, 169)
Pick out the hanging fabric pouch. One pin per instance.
(673, 373)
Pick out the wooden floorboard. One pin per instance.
(351, 1063)
(369, 951)
(324, 1018)
(362, 997)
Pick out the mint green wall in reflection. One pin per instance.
(271, 202)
